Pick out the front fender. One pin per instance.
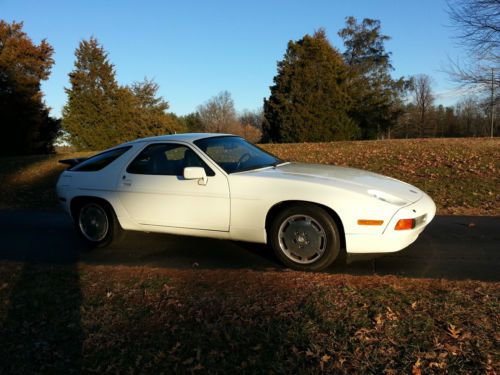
(252, 197)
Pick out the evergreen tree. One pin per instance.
(152, 117)
(26, 124)
(90, 115)
(377, 95)
(310, 98)
(192, 122)
(100, 113)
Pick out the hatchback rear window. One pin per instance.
(99, 161)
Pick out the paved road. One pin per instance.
(452, 247)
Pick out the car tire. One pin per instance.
(304, 237)
(96, 223)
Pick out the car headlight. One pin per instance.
(385, 197)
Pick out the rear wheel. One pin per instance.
(304, 237)
(96, 223)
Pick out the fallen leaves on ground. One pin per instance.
(461, 175)
(121, 319)
(29, 181)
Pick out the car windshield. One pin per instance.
(234, 154)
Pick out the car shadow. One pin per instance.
(42, 323)
(449, 248)
(42, 326)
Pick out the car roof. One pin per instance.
(184, 137)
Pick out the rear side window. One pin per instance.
(166, 159)
(99, 161)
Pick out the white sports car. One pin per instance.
(221, 186)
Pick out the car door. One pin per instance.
(153, 191)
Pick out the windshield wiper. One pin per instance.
(274, 165)
(279, 162)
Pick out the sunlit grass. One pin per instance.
(461, 175)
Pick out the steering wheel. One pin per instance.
(243, 158)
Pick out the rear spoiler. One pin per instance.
(72, 162)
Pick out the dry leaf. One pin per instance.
(416, 368)
(379, 320)
(391, 315)
(453, 331)
(439, 365)
(325, 358)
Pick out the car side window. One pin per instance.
(166, 159)
(99, 161)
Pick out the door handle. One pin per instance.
(126, 182)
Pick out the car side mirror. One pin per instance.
(196, 173)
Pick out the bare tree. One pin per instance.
(478, 25)
(253, 118)
(468, 112)
(478, 30)
(251, 124)
(218, 114)
(423, 99)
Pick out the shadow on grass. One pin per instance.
(41, 332)
(449, 248)
(135, 318)
(29, 182)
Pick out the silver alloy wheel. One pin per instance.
(93, 222)
(302, 239)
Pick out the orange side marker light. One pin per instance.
(370, 222)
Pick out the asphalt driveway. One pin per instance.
(452, 247)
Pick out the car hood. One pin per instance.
(382, 187)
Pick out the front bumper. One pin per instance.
(391, 240)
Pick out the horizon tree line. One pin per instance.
(319, 94)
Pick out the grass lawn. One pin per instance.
(461, 175)
(82, 318)
(119, 319)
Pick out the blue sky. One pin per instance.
(195, 49)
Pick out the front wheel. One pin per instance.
(96, 223)
(305, 237)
